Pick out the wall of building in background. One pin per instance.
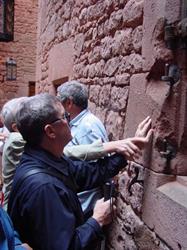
(22, 49)
(117, 48)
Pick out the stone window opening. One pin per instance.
(32, 88)
(58, 82)
(6, 20)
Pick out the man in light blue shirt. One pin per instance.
(85, 128)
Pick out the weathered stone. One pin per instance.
(78, 70)
(115, 20)
(87, 46)
(94, 33)
(94, 81)
(111, 66)
(136, 63)
(83, 16)
(96, 11)
(153, 24)
(114, 125)
(115, 4)
(138, 103)
(126, 223)
(99, 68)
(108, 80)
(94, 93)
(119, 98)
(118, 238)
(89, 34)
(104, 96)
(132, 194)
(137, 35)
(91, 70)
(85, 71)
(146, 239)
(68, 8)
(100, 31)
(79, 41)
(131, 220)
(101, 113)
(106, 47)
(66, 31)
(124, 66)
(83, 58)
(84, 81)
(131, 64)
(122, 42)
(133, 13)
(122, 80)
(173, 11)
(92, 107)
(165, 208)
(94, 55)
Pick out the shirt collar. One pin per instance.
(76, 121)
(46, 158)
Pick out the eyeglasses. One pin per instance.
(65, 116)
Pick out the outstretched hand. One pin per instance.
(143, 127)
(132, 147)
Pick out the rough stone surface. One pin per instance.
(114, 125)
(137, 36)
(123, 79)
(119, 98)
(22, 49)
(117, 48)
(133, 12)
(164, 208)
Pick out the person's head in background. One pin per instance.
(8, 113)
(73, 96)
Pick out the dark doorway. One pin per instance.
(32, 88)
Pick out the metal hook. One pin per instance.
(172, 76)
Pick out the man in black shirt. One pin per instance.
(44, 207)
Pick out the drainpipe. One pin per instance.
(184, 9)
(175, 35)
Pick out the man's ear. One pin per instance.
(69, 103)
(50, 132)
(14, 127)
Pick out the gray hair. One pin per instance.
(75, 91)
(9, 111)
(34, 114)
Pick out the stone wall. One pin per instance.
(117, 48)
(22, 49)
(106, 51)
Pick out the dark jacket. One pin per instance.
(9, 239)
(46, 212)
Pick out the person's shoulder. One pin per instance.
(91, 118)
(15, 136)
(32, 180)
(14, 140)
